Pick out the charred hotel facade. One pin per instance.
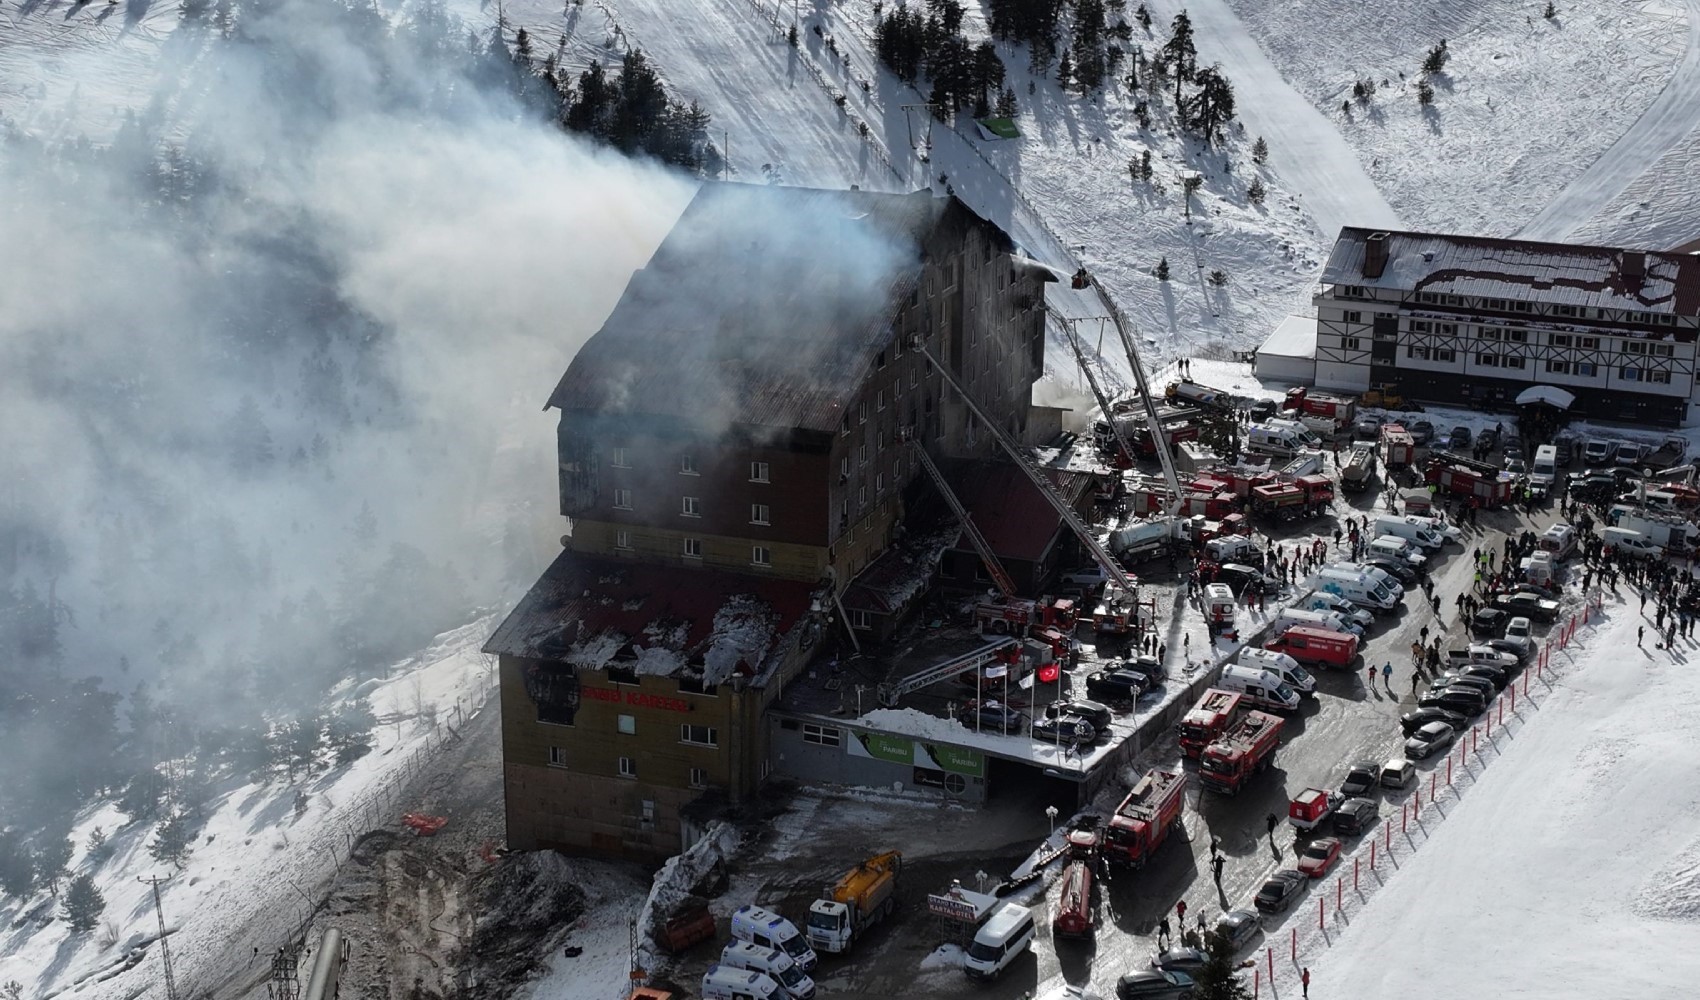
(735, 448)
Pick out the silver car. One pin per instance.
(1429, 740)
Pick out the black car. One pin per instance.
(1459, 439)
(1458, 679)
(1422, 432)
(1263, 409)
(1528, 605)
(1237, 575)
(1489, 622)
(1065, 731)
(1155, 984)
(1485, 671)
(993, 718)
(1279, 892)
(1410, 722)
(1187, 960)
(1239, 927)
(1399, 569)
(1150, 666)
(1361, 778)
(1466, 703)
(1097, 714)
(1520, 648)
(1356, 815)
(1487, 440)
(1117, 685)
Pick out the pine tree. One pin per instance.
(1259, 151)
(170, 844)
(522, 49)
(1180, 53)
(52, 863)
(1217, 980)
(1425, 93)
(1065, 70)
(1213, 106)
(1089, 43)
(1145, 170)
(1190, 184)
(1551, 11)
(791, 36)
(1143, 16)
(1218, 278)
(1142, 114)
(83, 904)
(349, 731)
(1436, 60)
(1007, 108)
(1163, 269)
(17, 868)
(1255, 193)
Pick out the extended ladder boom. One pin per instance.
(987, 556)
(890, 693)
(1081, 529)
(1165, 457)
(1098, 393)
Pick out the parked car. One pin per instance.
(1410, 722)
(1117, 685)
(1527, 605)
(1479, 652)
(1279, 891)
(1089, 577)
(1422, 432)
(1599, 451)
(1360, 778)
(1356, 815)
(1398, 773)
(1237, 575)
(1630, 453)
(1459, 439)
(1065, 730)
(1187, 960)
(1429, 740)
(1565, 445)
(1519, 639)
(1263, 409)
(1239, 927)
(1456, 679)
(1398, 568)
(1515, 465)
(1465, 703)
(1099, 715)
(1489, 674)
(1368, 426)
(994, 717)
(1154, 985)
(1150, 666)
(1489, 623)
(1319, 855)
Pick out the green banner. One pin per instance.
(958, 760)
(892, 749)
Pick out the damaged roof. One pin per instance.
(763, 306)
(1562, 273)
(591, 613)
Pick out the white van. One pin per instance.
(774, 964)
(1357, 585)
(722, 982)
(1262, 688)
(1410, 531)
(1322, 600)
(1393, 547)
(1284, 442)
(1630, 543)
(1232, 549)
(758, 926)
(1330, 620)
(1560, 540)
(1387, 579)
(1281, 665)
(1545, 467)
(999, 941)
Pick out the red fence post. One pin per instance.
(1295, 944)
(1433, 776)
(1416, 798)
(1355, 872)
(1404, 818)
(1476, 739)
(1502, 711)
(1321, 917)
(1271, 953)
(1449, 769)
(1256, 982)
(1339, 895)
(1372, 855)
(1389, 838)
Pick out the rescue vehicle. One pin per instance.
(1317, 646)
(1209, 719)
(1004, 615)
(1242, 751)
(1398, 447)
(1075, 916)
(1306, 496)
(1484, 484)
(1145, 817)
(1340, 410)
(1311, 807)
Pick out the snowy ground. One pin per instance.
(253, 855)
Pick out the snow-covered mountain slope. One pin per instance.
(1524, 107)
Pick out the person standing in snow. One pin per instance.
(1371, 680)
(1163, 933)
(1640, 633)
(1387, 676)
(1304, 978)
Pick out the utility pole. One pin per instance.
(164, 943)
(909, 125)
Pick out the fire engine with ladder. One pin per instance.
(1145, 817)
(1247, 748)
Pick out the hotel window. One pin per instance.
(628, 725)
(758, 472)
(688, 465)
(1658, 377)
(1511, 361)
(861, 619)
(879, 484)
(1586, 369)
(844, 426)
(699, 778)
(1559, 367)
(826, 736)
(1352, 316)
(1635, 347)
(702, 736)
(622, 499)
(1488, 360)
(1588, 343)
(622, 539)
(761, 555)
(690, 506)
(1662, 350)
(693, 548)
(557, 756)
(1445, 354)
(1629, 374)
(1564, 310)
(759, 513)
(628, 767)
(879, 362)
(1486, 333)
(861, 497)
(862, 454)
(1559, 340)
(879, 401)
(1521, 307)
(844, 467)
(862, 412)
(1420, 353)
(1447, 329)
(621, 459)
(1351, 343)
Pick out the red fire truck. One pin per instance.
(1076, 916)
(1145, 817)
(1486, 484)
(1215, 712)
(1020, 615)
(1398, 447)
(1305, 496)
(1244, 750)
(1340, 409)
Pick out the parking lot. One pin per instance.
(1348, 720)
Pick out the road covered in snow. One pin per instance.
(1667, 122)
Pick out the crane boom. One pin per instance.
(1098, 392)
(1081, 529)
(1165, 457)
(993, 568)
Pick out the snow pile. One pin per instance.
(596, 957)
(945, 956)
(914, 722)
(678, 880)
(743, 633)
(1673, 893)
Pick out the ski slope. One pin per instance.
(1570, 868)
(1666, 123)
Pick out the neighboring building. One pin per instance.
(733, 452)
(1474, 321)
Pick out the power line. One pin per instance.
(164, 942)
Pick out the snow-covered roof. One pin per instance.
(1560, 273)
(1294, 338)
